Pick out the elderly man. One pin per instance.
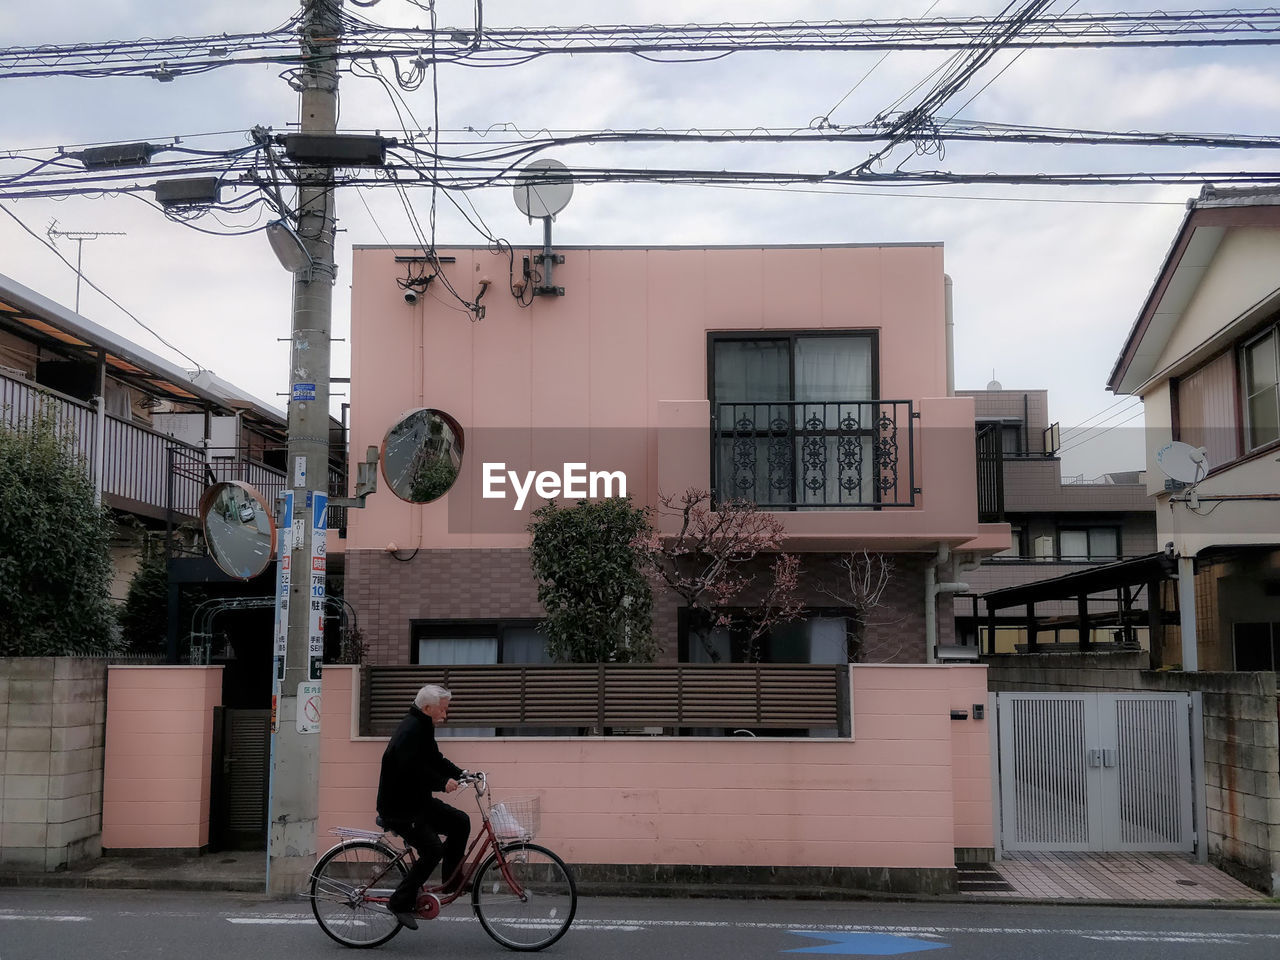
(412, 769)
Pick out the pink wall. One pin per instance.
(628, 340)
(905, 792)
(159, 740)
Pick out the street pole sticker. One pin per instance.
(284, 558)
(308, 707)
(319, 534)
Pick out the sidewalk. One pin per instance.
(1130, 879)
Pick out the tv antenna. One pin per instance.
(543, 189)
(79, 236)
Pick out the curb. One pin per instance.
(80, 881)
(73, 881)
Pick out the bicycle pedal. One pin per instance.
(428, 907)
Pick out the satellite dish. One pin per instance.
(1182, 462)
(543, 189)
(238, 528)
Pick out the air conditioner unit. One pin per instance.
(1043, 548)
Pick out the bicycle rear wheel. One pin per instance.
(349, 890)
(539, 913)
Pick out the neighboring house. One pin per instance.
(1058, 530)
(1203, 355)
(813, 380)
(152, 434)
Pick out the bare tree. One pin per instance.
(860, 582)
(709, 564)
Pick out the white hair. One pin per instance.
(430, 695)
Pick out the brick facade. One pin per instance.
(482, 584)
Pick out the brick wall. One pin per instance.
(388, 594)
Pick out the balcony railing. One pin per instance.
(143, 469)
(135, 462)
(796, 454)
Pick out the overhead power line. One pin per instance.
(362, 39)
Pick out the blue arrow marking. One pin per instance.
(864, 944)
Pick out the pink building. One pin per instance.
(815, 380)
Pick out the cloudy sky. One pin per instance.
(1047, 280)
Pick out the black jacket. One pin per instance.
(412, 767)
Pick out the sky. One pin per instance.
(1048, 281)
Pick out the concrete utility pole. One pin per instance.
(294, 802)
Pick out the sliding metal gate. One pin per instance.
(1095, 771)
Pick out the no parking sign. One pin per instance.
(308, 707)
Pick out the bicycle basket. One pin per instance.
(515, 818)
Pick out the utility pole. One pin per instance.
(295, 760)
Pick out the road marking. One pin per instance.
(1189, 938)
(56, 918)
(863, 944)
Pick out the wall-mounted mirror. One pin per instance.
(239, 529)
(421, 455)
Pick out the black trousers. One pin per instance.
(423, 834)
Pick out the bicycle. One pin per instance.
(523, 895)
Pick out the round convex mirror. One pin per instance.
(421, 455)
(238, 527)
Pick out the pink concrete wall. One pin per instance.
(159, 741)
(905, 792)
(626, 343)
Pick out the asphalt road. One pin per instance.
(54, 924)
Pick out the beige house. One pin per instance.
(1203, 355)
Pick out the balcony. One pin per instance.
(791, 455)
(143, 471)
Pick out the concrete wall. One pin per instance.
(51, 760)
(159, 742)
(618, 367)
(1241, 745)
(890, 807)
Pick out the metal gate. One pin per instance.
(241, 768)
(1095, 771)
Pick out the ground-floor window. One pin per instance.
(1256, 646)
(454, 642)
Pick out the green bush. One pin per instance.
(598, 601)
(55, 564)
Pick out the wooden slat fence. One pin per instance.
(616, 696)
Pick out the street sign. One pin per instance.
(308, 707)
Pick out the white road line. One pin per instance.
(56, 918)
(1134, 938)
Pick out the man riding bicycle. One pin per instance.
(412, 769)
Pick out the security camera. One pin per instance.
(410, 295)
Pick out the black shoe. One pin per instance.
(406, 918)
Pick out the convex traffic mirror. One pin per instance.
(421, 455)
(238, 528)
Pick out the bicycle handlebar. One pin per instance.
(477, 780)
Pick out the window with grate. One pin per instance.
(796, 418)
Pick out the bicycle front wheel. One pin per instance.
(349, 891)
(537, 910)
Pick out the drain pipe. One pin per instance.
(950, 328)
(932, 589)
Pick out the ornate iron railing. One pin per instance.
(833, 454)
